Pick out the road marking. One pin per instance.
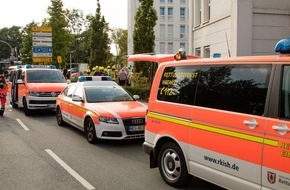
(70, 170)
(22, 125)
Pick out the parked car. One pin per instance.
(102, 110)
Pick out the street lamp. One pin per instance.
(70, 67)
(12, 52)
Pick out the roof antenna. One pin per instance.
(228, 45)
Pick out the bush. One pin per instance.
(142, 92)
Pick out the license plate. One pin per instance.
(136, 128)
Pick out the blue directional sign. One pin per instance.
(42, 49)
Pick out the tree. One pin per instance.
(77, 26)
(60, 35)
(11, 36)
(99, 39)
(26, 50)
(143, 34)
(119, 38)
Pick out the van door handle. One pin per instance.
(252, 123)
(282, 128)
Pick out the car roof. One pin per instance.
(96, 83)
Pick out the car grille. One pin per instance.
(48, 94)
(42, 102)
(140, 121)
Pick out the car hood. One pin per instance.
(123, 109)
(46, 87)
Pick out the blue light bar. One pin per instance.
(283, 46)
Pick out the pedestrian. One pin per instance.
(122, 77)
(64, 72)
(3, 93)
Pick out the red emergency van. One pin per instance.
(225, 120)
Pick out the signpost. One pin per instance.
(42, 44)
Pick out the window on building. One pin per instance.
(170, 31)
(170, 1)
(162, 31)
(162, 47)
(197, 52)
(206, 11)
(162, 13)
(170, 14)
(206, 51)
(182, 31)
(197, 13)
(182, 45)
(170, 47)
(182, 13)
(182, 2)
(162, 1)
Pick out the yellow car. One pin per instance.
(102, 110)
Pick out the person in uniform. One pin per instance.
(3, 93)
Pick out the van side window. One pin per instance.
(238, 88)
(285, 94)
(178, 84)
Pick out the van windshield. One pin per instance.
(45, 76)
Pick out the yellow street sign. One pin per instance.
(59, 59)
(42, 29)
(42, 59)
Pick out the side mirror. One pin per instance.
(77, 99)
(136, 97)
(19, 81)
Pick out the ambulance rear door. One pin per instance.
(276, 154)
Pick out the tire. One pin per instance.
(172, 166)
(27, 111)
(59, 119)
(90, 131)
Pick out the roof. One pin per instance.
(159, 58)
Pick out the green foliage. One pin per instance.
(77, 27)
(139, 80)
(99, 39)
(60, 36)
(26, 50)
(142, 92)
(12, 36)
(144, 35)
(119, 37)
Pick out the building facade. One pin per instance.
(237, 27)
(217, 27)
(171, 30)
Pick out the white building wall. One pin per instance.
(239, 27)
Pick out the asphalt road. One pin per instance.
(35, 153)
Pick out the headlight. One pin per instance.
(32, 93)
(108, 120)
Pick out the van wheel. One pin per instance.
(90, 131)
(27, 111)
(59, 119)
(172, 166)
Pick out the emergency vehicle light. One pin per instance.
(28, 66)
(283, 46)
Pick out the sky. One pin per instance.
(22, 12)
